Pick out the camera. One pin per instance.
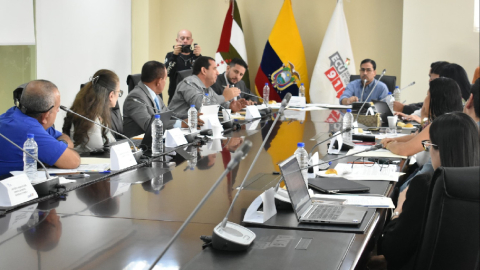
(187, 48)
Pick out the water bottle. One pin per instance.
(29, 163)
(347, 123)
(192, 117)
(396, 94)
(266, 94)
(389, 100)
(192, 162)
(301, 90)
(157, 136)
(302, 157)
(206, 100)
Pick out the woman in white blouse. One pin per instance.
(94, 102)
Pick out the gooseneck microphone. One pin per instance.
(236, 157)
(100, 125)
(42, 188)
(363, 89)
(227, 229)
(412, 83)
(371, 92)
(146, 105)
(341, 132)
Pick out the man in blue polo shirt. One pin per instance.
(353, 92)
(39, 105)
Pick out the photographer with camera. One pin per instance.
(182, 58)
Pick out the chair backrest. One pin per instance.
(390, 81)
(17, 94)
(133, 80)
(452, 228)
(183, 74)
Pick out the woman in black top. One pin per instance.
(454, 143)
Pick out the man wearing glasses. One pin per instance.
(353, 92)
(181, 58)
(35, 115)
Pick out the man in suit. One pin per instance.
(233, 78)
(136, 117)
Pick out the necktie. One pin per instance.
(157, 104)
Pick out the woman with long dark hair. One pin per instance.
(458, 74)
(94, 102)
(443, 97)
(454, 142)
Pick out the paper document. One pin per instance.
(380, 153)
(359, 200)
(41, 177)
(102, 167)
(311, 108)
(60, 171)
(365, 172)
(90, 160)
(336, 106)
(383, 136)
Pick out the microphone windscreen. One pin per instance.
(63, 108)
(245, 147)
(207, 132)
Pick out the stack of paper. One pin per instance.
(359, 200)
(380, 153)
(365, 172)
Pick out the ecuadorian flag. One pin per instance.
(283, 64)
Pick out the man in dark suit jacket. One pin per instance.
(136, 117)
(233, 78)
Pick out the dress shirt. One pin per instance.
(355, 89)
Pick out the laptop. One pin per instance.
(384, 110)
(308, 211)
(165, 118)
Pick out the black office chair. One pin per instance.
(17, 94)
(133, 80)
(183, 74)
(390, 81)
(451, 229)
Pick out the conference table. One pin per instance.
(124, 221)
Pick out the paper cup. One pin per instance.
(392, 121)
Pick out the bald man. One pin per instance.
(182, 58)
(39, 105)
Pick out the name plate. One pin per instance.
(121, 157)
(297, 102)
(16, 190)
(174, 138)
(252, 112)
(334, 139)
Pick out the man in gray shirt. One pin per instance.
(193, 88)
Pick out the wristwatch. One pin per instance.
(395, 214)
(65, 142)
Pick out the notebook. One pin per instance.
(308, 211)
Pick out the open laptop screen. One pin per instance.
(295, 184)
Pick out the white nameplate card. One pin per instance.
(261, 106)
(121, 157)
(16, 190)
(209, 112)
(252, 112)
(294, 115)
(338, 139)
(174, 138)
(297, 102)
(269, 209)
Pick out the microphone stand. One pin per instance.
(371, 92)
(231, 165)
(313, 148)
(282, 108)
(137, 153)
(363, 89)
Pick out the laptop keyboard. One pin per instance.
(326, 212)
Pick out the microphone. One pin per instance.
(42, 188)
(373, 89)
(237, 156)
(137, 153)
(341, 132)
(363, 89)
(412, 83)
(285, 102)
(146, 105)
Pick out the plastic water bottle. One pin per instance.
(396, 94)
(389, 100)
(206, 100)
(266, 94)
(302, 157)
(192, 162)
(29, 163)
(347, 123)
(301, 90)
(192, 117)
(157, 136)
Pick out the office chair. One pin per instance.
(390, 81)
(451, 229)
(133, 80)
(17, 94)
(183, 74)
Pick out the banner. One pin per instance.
(334, 64)
(283, 64)
(232, 42)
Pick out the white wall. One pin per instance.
(432, 31)
(76, 38)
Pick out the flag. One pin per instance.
(232, 42)
(283, 64)
(334, 64)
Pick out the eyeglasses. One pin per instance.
(120, 93)
(371, 162)
(427, 144)
(368, 70)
